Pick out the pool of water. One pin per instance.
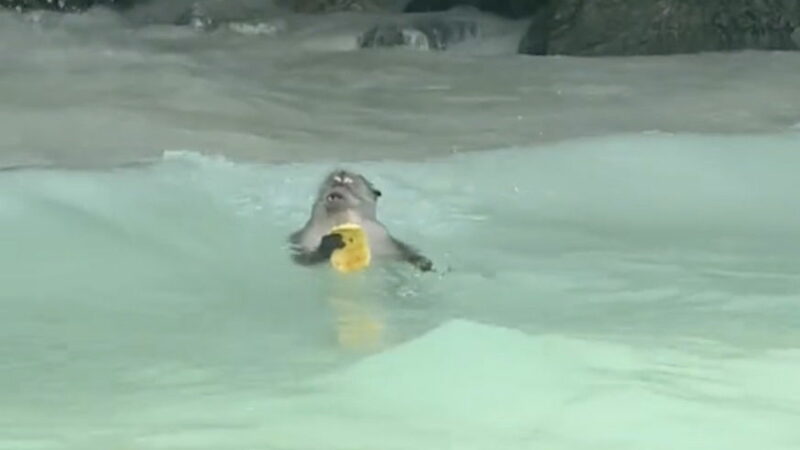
(617, 244)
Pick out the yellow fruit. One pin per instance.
(355, 254)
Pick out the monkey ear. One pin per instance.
(375, 191)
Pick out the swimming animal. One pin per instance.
(346, 197)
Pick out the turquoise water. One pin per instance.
(628, 291)
(618, 249)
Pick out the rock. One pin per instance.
(510, 9)
(427, 34)
(646, 27)
(329, 6)
(65, 5)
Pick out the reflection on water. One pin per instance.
(358, 321)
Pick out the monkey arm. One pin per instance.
(412, 256)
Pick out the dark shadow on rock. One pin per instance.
(535, 40)
(648, 27)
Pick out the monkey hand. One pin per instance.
(422, 263)
(329, 243)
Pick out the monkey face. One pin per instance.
(345, 190)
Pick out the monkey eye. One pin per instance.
(347, 180)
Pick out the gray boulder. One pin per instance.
(646, 27)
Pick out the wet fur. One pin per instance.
(359, 205)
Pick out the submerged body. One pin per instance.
(347, 197)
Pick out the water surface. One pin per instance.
(617, 239)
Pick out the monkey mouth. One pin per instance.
(334, 197)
